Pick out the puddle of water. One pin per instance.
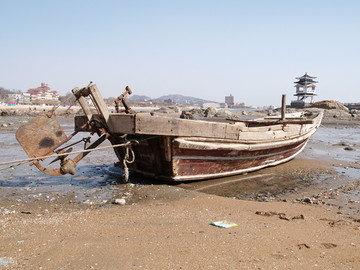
(352, 173)
(97, 178)
(326, 144)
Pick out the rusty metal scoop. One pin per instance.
(41, 136)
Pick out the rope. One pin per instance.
(126, 161)
(72, 104)
(65, 154)
(13, 166)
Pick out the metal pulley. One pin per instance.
(67, 166)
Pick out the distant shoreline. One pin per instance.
(46, 108)
(331, 116)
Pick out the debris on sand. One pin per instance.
(224, 224)
(121, 201)
(280, 215)
(5, 261)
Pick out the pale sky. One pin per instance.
(205, 49)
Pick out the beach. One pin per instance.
(303, 214)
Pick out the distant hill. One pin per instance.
(139, 98)
(178, 99)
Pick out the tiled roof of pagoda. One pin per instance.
(305, 77)
(306, 82)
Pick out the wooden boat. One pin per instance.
(171, 148)
(183, 149)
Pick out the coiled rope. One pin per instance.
(128, 159)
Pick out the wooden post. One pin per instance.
(83, 103)
(283, 107)
(98, 101)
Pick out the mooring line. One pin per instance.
(65, 154)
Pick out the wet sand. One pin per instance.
(300, 215)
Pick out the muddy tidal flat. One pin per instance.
(304, 214)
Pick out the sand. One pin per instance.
(170, 229)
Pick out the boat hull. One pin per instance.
(184, 159)
(257, 145)
(193, 164)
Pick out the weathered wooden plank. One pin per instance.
(269, 122)
(184, 127)
(99, 102)
(96, 98)
(168, 126)
(84, 105)
(122, 123)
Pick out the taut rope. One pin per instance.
(23, 161)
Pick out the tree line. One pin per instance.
(4, 92)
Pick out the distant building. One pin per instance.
(13, 98)
(19, 98)
(25, 98)
(305, 91)
(43, 95)
(229, 100)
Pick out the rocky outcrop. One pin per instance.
(330, 105)
(206, 113)
(168, 110)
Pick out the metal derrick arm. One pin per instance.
(43, 135)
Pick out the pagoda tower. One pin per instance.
(305, 91)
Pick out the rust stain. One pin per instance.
(46, 142)
(41, 136)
